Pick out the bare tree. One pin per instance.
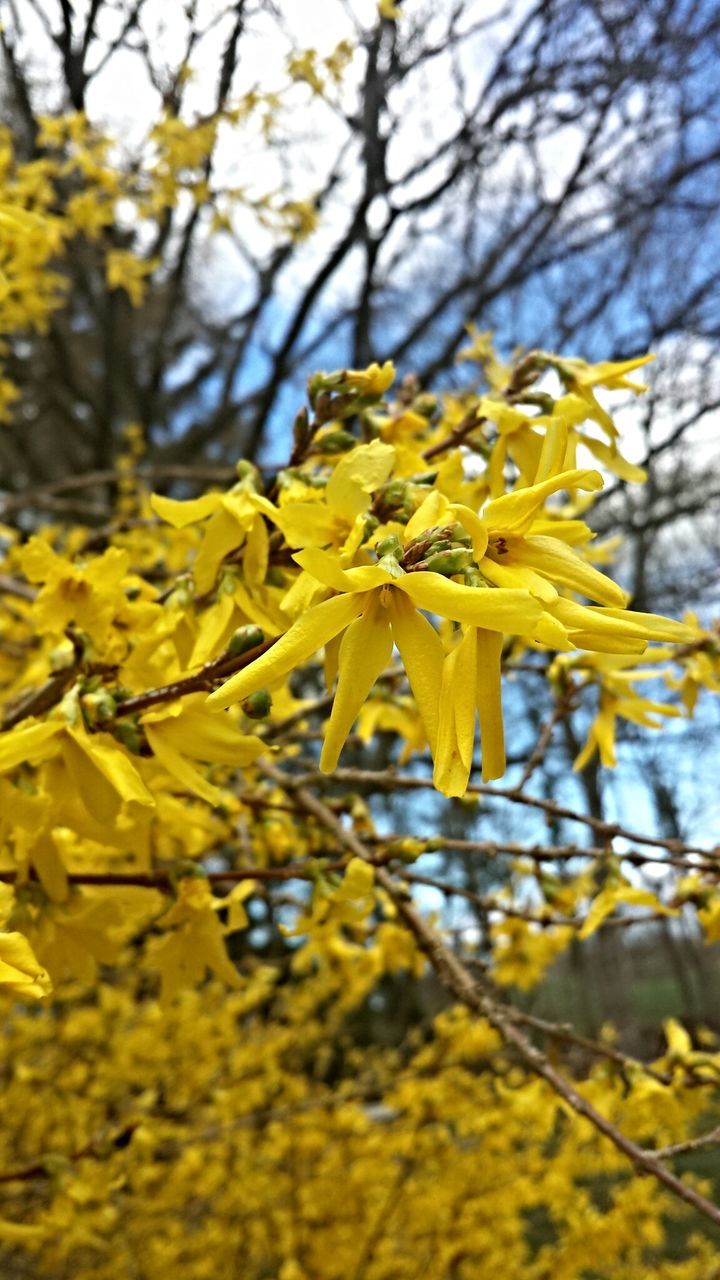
(549, 170)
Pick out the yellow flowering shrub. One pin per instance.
(199, 903)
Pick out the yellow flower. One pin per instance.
(88, 595)
(188, 728)
(581, 379)
(377, 607)
(232, 518)
(618, 894)
(20, 972)
(516, 556)
(100, 773)
(471, 679)
(339, 521)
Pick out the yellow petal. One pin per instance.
(431, 512)
(222, 534)
(651, 625)
(494, 608)
(364, 653)
(206, 735)
(357, 475)
(603, 622)
(257, 552)
(103, 774)
(551, 557)
(489, 703)
(601, 643)
(181, 514)
(330, 660)
(305, 637)
(306, 524)
(514, 511)
(325, 566)
(20, 971)
(473, 525)
(456, 729)
(40, 563)
(212, 626)
(552, 633)
(505, 573)
(552, 454)
(49, 866)
(180, 768)
(614, 461)
(678, 1041)
(28, 745)
(263, 612)
(608, 373)
(422, 654)
(616, 895)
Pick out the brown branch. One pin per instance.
(40, 700)
(710, 1139)
(455, 977)
(14, 587)
(458, 981)
(203, 681)
(166, 880)
(387, 780)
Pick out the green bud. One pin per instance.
(228, 581)
(130, 736)
(390, 546)
(425, 404)
(244, 639)
(407, 850)
(98, 706)
(371, 524)
(247, 473)
(394, 493)
(181, 597)
(449, 562)
(322, 382)
(461, 535)
(337, 441)
(257, 705)
(473, 577)
(61, 657)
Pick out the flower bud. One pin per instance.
(244, 639)
(257, 705)
(130, 736)
(458, 534)
(390, 546)
(425, 404)
(247, 472)
(449, 562)
(181, 596)
(337, 441)
(394, 493)
(98, 706)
